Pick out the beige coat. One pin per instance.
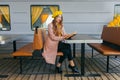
(51, 45)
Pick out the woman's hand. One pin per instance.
(66, 36)
(69, 35)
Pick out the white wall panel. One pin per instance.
(88, 17)
(87, 6)
(20, 18)
(84, 28)
(83, 17)
(13, 0)
(73, 0)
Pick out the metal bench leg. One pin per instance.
(74, 50)
(14, 46)
(20, 65)
(92, 52)
(107, 64)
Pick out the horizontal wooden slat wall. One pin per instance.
(85, 17)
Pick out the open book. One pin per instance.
(70, 35)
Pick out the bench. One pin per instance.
(110, 45)
(29, 49)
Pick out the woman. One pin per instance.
(54, 44)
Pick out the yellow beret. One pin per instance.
(56, 13)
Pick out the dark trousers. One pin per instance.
(66, 49)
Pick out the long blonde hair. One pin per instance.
(57, 29)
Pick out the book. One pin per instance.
(70, 35)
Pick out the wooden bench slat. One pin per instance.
(27, 50)
(111, 34)
(24, 51)
(105, 50)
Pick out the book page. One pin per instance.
(70, 35)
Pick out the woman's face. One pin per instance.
(58, 18)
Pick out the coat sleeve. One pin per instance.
(52, 35)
